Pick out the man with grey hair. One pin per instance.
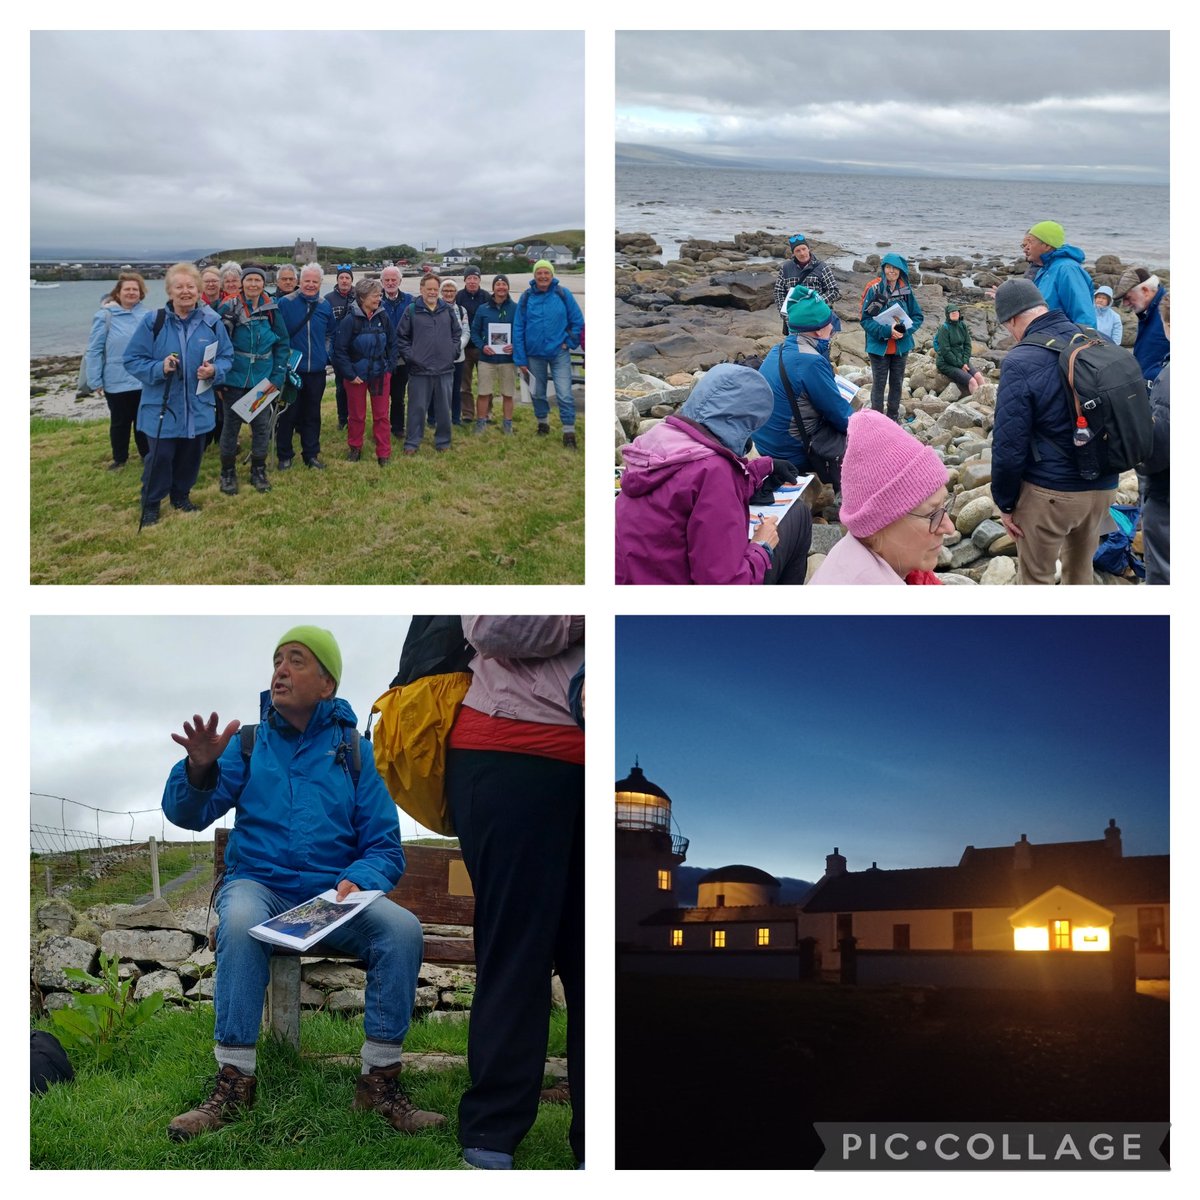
(286, 281)
(1143, 292)
(1047, 506)
(395, 301)
(311, 815)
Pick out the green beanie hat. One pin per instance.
(323, 645)
(543, 262)
(1050, 232)
(806, 310)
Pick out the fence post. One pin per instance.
(47, 881)
(154, 869)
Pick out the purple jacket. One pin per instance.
(682, 515)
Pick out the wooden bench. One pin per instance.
(435, 888)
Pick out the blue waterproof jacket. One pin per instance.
(187, 414)
(545, 323)
(364, 347)
(500, 314)
(310, 335)
(1151, 346)
(1065, 285)
(340, 303)
(879, 336)
(811, 376)
(395, 310)
(430, 339)
(302, 825)
(112, 327)
(261, 342)
(1032, 441)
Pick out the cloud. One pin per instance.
(181, 140)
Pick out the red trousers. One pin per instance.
(356, 414)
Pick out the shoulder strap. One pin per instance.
(352, 743)
(791, 393)
(160, 318)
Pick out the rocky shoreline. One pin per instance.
(716, 304)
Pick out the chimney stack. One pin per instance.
(1112, 839)
(1023, 855)
(835, 864)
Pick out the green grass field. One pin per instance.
(493, 509)
(116, 1118)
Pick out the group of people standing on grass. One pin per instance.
(173, 376)
(689, 486)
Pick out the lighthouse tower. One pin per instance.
(648, 854)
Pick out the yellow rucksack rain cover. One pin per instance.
(410, 744)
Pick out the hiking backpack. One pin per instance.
(1105, 387)
(416, 715)
(349, 753)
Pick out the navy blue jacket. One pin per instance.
(1151, 346)
(310, 335)
(341, 306)
(364, 347)
(1034, 411)
(472, 303)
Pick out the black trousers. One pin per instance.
(302, 416)
(519, 820)
(790, 561)
(171, 468)
(399, 385)
(122, 408)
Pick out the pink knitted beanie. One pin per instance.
(885, 474)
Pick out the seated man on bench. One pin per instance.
(312, 814)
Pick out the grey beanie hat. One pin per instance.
(1015, 296)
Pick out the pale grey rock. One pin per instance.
(970, 515)
(148, 945)
(347, 1000)
(202, 989)
(334, 975)
(447, 1016)
(626, 376)
(167, 982)
(154, 914)
(964, 554)
(425, 998)
(952, 577)
(58, 952)
(986, 532)
(56, 915)
(975, 474)
(1000, 571)
(825, 537)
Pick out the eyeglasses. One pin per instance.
(935, 518)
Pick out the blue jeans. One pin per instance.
(559, 369)
(387, 937)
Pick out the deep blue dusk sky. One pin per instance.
(898, 739)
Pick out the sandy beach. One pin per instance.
(54, 376)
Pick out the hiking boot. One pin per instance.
(481, 424)
(380, 1090)
(150, 515)
(559, 1093)
(229, 484)
(185, 505)
(507, 428)
(114, 465)
(353, 454)
(543, 429)
(569, 441)
(258, 477)
(233, 1093)
(315, 463)
(285, 464)
(383, 462)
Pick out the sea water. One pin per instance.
(917, 217)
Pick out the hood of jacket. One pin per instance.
(1065, 252)
(897, 261)
(732, 403)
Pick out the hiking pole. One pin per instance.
(162, 412)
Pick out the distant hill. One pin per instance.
(687, 886)
(630, 154)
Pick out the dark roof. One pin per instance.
(740, 914)
(988, 879)
(637, 782)
(739, 873)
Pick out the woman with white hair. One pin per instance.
(167, 354)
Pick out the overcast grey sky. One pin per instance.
(1031, 104)
(108, 692)
(153, 141)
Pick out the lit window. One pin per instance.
(764, 936)
(718, 939)
(676, 937)
(1060, 935)
(664, 881)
